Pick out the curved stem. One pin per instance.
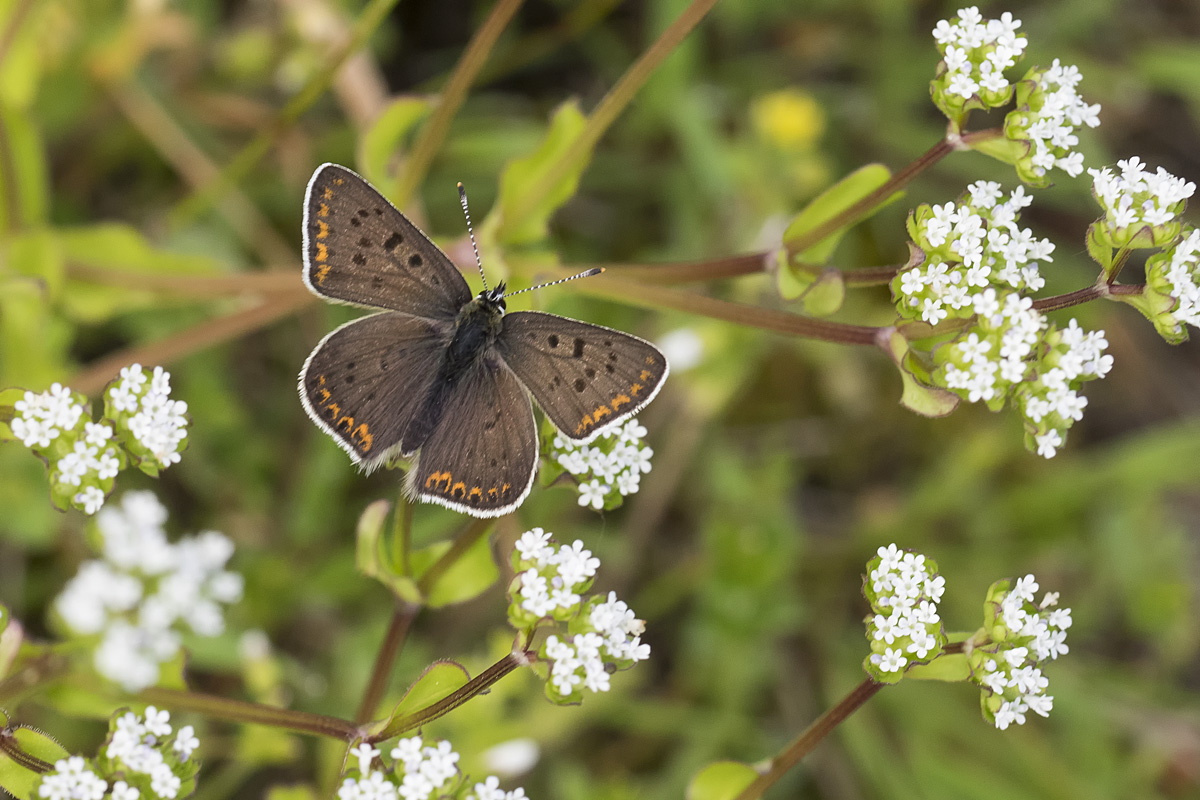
(803, 744)
(612, 104)
(473, 687)
(452, 96)
(254, 713)
(402, 618)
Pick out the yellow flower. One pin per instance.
(790, 119)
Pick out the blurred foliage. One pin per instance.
(780, 464)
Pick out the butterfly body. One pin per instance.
(442, 376)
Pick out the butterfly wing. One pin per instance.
(585, 377)
(359, 249)
(482, 455)
(363, 382)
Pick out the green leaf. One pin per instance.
(951, 668)
(522, 175)
(721, 780)
(18, 780)
(371, 557)
(1156, 307)
(23, 173)
(826, 295)
(471, 574)
(1099, 247)
(439, 680)
(386, 139)
(830, 203)
(926, 400)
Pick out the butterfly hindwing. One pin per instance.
(584, 376)
(481, 457)
(359, 249)
(364, 382)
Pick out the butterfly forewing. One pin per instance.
(584, 376)
(358, 248)
(480, 459)
(364, 382)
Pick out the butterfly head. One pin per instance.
(494, 298)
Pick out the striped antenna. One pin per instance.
(462, 198)
(585, 274)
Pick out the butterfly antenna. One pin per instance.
(462, 198)
(585, 274)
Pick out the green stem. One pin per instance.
(241, 164)
(611, 106)
(803, 744)
(402, 619)
(253, 713)
(1086, 295)
(870, 202)
(455, 91)
(473, 687)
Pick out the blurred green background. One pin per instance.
(780, 464)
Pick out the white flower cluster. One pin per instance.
(1025, 635)
(585, 659)
(605, 633)
(150, 763)
(72, 780)
(58, 426)
(143, 747)
(146, 590)
(551, 582)
(976, 53)
(608, 468)
(978, 261)
(490, 790)
(1051, 402)
(974, 253)
(903, 589)
(420, 772)
(143, 406)
(1180, 278)
(1138, 199)
(1052, 111)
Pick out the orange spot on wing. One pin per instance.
(459, 487)
(435, 478)
(649, 359)
(620, 400)
(321, 273)
(323, 232)
(322, 252)
(349, 423)
(584, 424)
(325, 395)
(646, 375)
(363, 434)
(327, 193)
(633, 390)
(338, 181)
(323, 211)
(602, 411)
(334, 410)
(504, 489)
(475, 494)
(493, 493)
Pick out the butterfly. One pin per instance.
(443, 377)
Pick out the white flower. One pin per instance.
(592, 493)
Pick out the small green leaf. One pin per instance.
(1099, 247)
(522, 175)
(439, 680)
(830, 203)
(387, 138)
(791, 281)
(18, 780)
(826, 295)
(721, 780)
(926, 400)
(1156, 307)
(952, 668)
(370, 554)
